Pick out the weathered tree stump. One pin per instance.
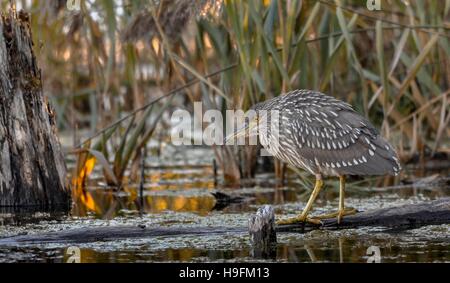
(261, 228)
(32, 169)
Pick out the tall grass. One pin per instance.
(111, 57)
(387, 64)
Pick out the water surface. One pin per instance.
(177, 193)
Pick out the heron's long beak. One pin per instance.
(249, 130)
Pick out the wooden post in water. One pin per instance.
(263, 238)
(32, 169)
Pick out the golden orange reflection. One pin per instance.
(100, 201)
(80, 195)
(106, 202)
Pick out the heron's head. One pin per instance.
(254, 121)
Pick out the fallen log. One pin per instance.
(261, 227)
(103, 234)
(401, 217)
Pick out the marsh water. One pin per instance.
(177, 192)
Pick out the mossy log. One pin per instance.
(398, 217)
(32, 169)
(261, 227)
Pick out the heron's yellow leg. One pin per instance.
(342, 211)
(303, 217)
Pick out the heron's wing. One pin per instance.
(332, 136)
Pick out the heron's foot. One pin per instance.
(339, 214)
(299, 219)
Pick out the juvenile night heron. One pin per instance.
(324, 136)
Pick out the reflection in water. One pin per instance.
(152, 204)
(188, 189)
(343, 249)
(310, 252)
(184, 190)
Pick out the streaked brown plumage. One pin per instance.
(324, 136)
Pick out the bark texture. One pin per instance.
(32, 169)
(435, 212)
(261, 227)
